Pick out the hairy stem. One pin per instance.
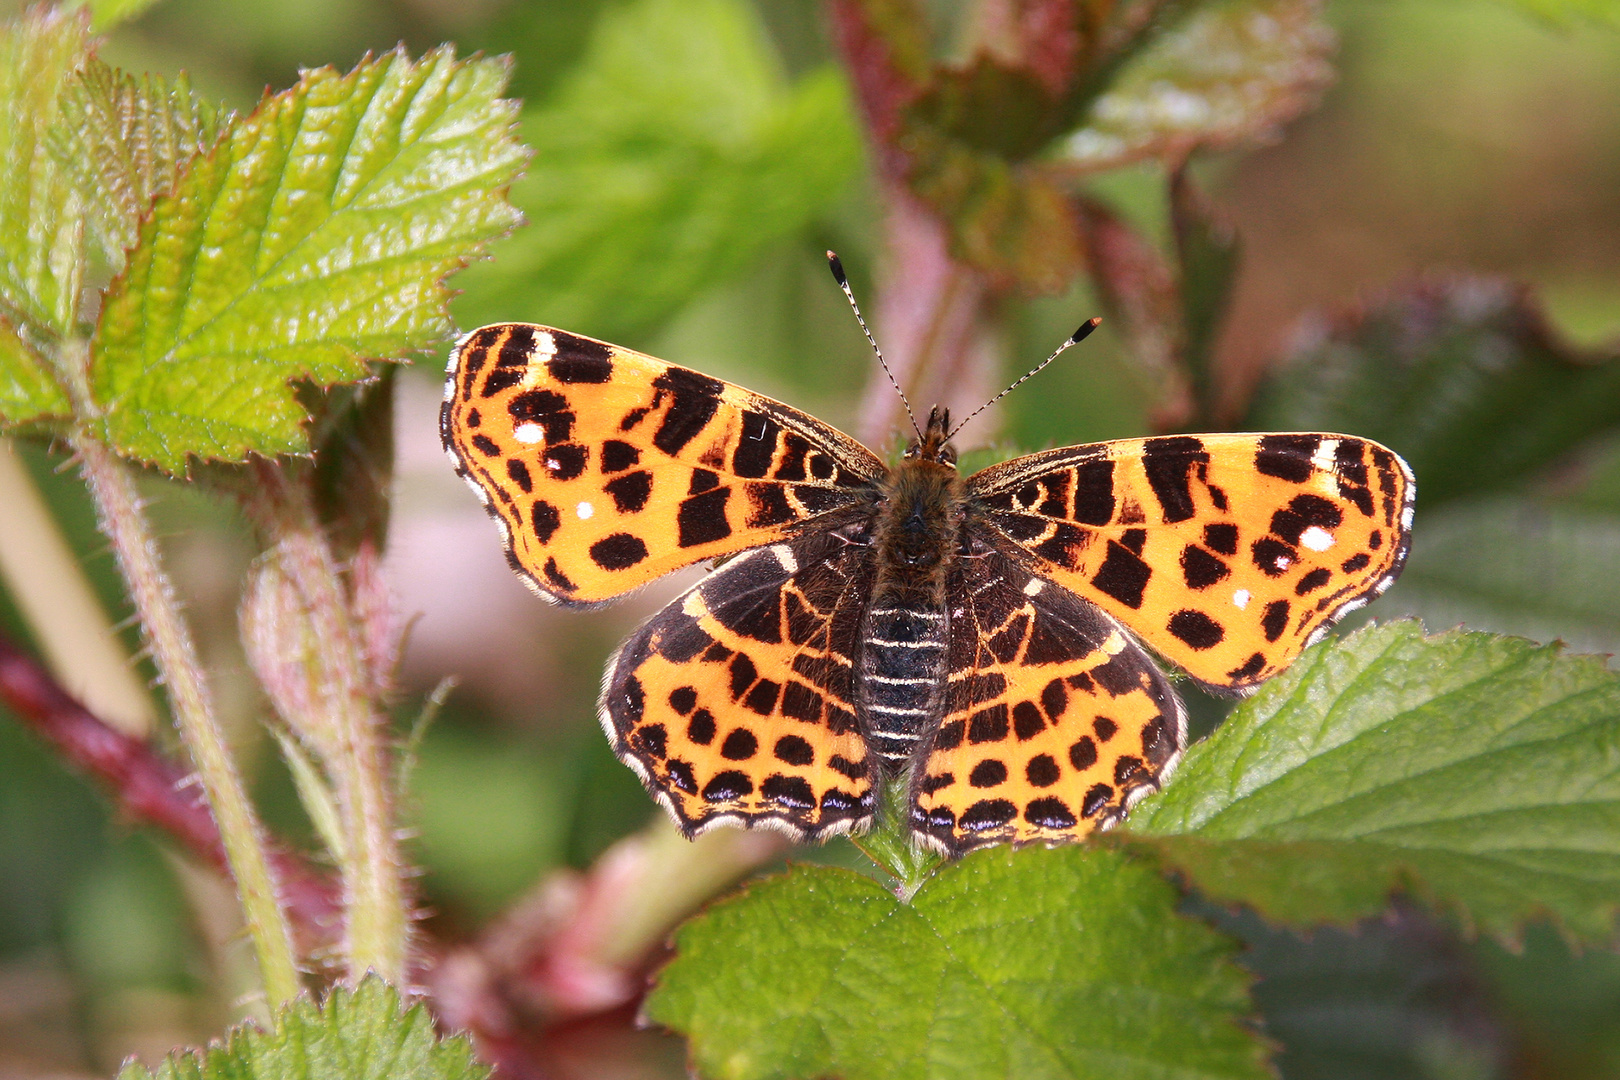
(329, 704)
(118, 509)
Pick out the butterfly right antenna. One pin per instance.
(843, 283)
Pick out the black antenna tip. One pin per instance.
(837, 265)
(1085, 331)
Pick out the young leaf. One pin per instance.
(1461, 376)
(360, 1034)
(317, 235)
(1232, 72)
(673, 155)
(123, 142)
(1481, 772)
(1065, 962)
(41, 233)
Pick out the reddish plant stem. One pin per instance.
(152, 790)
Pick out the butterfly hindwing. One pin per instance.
(1227, 554)
(736, 702)
(1055, 720)
(607, 469)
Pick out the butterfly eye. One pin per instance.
(947, 454)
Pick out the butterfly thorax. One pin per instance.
(916, 532)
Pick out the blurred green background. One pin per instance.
(693, 161)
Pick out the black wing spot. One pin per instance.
(566, 461)
(1122, 576)
(1050, 813)
(1097, 797)
(546, 408)
(1104, 727)
(1042, 771)
(618, 552)
(630, 491)
(756, 445)
(1200, 569)
(986, 725)
(702, 518)
(1221, 537)
(1287, 457)
(701, 728)
(1275, 619)
(987, 814)
(727, 786)
(740, 745)
(1251, 667)
(486, 446)
(794, 751)
(652, 740)
(853, 769)
(988, 773)
(1094, 492)
(1196, 629)
(517, 348)
(694, 400)
(1169, 463)
(1355, 563)
(793, 792)
(1027, 721)
(519, 473)
(545, 519)
(1272, 557)
(618, 456)
(557, 578)
(580, 360)
(1083, 754)
(1313, 581)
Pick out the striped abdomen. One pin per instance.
(902, 678)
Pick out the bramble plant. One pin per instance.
(221, 300)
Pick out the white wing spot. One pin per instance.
(584, 510)
(528, 433)
(1114, 644)
(1033, 586)
(545, 346)
(1316, 538)
(1283, 562)
(1240, 599)
(1322, 460)
(1406, 517)
(784, 558)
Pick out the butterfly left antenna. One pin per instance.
(1074, 339)
(837, 265)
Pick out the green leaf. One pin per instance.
(1209, 251)
(363, 1034)
(123, 142)
(316, 236)
(1066, 962)
(1516, 565)
(27, 388)
(41, 231)
(667, 161)
(1230, 74)
(1480, 772)
(1460, 376)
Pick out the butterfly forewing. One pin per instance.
(607, 468)
(1227, 554)
(737, 701)
(1055, 722)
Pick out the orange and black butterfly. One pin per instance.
(983, 639)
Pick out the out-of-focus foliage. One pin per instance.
(671, 156)
(1461, 377)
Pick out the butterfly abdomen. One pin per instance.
(903, 651)
(903, 639)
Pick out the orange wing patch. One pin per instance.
(1227, 554)
(1056, 722)
(607, 469)
(735, 703)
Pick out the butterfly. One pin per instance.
(984, 640)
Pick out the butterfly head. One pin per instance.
(933, 444)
